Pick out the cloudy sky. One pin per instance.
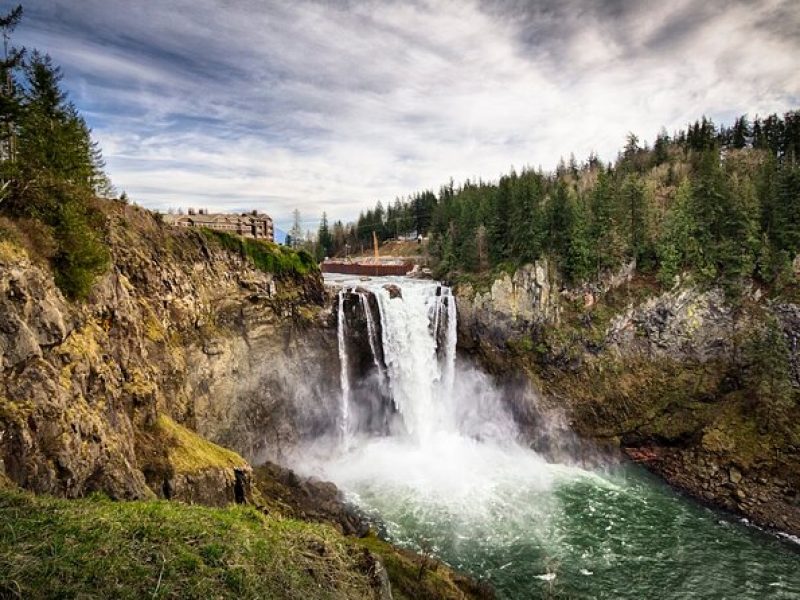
(234, 104)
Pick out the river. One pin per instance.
(448, 477)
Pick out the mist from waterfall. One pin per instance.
(444, 470)
(416, 366)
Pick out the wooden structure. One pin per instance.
(367, 267)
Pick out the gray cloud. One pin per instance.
(332, 106)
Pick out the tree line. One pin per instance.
(50, 168)
(720, 201)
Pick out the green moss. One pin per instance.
(97, 548)
(190, 453)
(265, 256)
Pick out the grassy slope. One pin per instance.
(98, 548)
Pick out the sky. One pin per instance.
(332, 106)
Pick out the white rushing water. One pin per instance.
(371, 334)
(344, 377)
(448, 476)
(452, 441)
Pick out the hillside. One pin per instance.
(184, 341)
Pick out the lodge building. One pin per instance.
(253, 224)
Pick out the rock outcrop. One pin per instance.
(665, 375)
(683, 324)
(530, 295)
(179, 327)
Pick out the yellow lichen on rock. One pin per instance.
(139, 385)
(153, 329)
(11, 252)
(82, 343)
(14, 412)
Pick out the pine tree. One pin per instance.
(741, 132)
(54, 141)
(677, 246)
(634, 202)
(579, 257)
(525, 225)
(324, 239)
(499, 235)
(660, 148)
(603, 223)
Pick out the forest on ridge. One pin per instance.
(722, 202)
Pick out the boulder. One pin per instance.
(394, 290)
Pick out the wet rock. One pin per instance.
(394, 290)
(682, 324)
(788, 316)
(307, 498)
(211, 486)
(378, 575)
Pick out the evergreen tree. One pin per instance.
(54, 141)
(740, 133)
(603, 226)
(324, 239)
(660, 148)
(500, 219)
(677, 246)
(634, 201)
(525, 227)
(578, 261)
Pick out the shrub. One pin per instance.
(266, 256)
(81, 255)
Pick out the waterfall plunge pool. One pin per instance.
(448, 478)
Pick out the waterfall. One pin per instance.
(450, 341)
(415, 319)
(344, 375)
(372, 335)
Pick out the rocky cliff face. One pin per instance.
(179, 328)
(666, 376)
